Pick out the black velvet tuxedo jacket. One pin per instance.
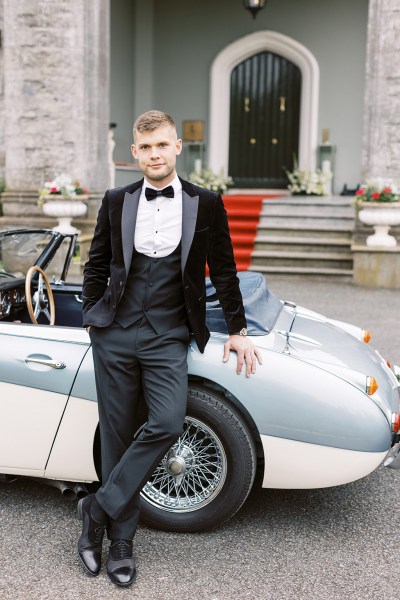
(205, 237)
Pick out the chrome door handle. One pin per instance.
(78, 298)
(47, 362)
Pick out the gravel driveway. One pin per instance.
(335, 543)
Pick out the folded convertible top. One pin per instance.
(261, 306)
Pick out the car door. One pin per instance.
(38, 365)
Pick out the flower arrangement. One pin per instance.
(378, 190)
(212, 181)
(308, 183)
(62, 185)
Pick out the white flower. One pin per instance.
(212, 181)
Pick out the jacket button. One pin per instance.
(113, 306)
(121, 283)
(150, 285)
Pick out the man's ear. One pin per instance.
(178, 146)
(133, 150)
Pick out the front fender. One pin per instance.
(293, 400)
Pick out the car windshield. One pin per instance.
(19, 251)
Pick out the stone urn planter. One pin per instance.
(381, 216)
(65, 209)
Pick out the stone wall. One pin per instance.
(2, 120)
(56, 71)
(381, 142)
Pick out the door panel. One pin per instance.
(264, 120)
(68, 303)
(33, 394)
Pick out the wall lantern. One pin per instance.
(254, 6)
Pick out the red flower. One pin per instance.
(360, 192)
(387, 190)
(375, 196)
(53, 190)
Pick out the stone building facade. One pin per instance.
(54, 95)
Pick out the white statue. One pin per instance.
(111, 146)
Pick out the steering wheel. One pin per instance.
(42, 298)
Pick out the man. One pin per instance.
(143, 291)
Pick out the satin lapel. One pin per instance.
(190, 206)
(128, 223)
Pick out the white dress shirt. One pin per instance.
(159, 222)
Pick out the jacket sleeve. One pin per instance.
(223, 272)
(96, 271)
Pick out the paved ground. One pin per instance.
(337, 543)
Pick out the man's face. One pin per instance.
(156, 152)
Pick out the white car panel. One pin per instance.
(71, 458)
(297, 465)
(25, 440)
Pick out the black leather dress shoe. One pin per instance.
(121, 567)
(91, 538)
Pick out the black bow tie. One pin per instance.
(151, 193)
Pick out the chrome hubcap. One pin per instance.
(192, 473)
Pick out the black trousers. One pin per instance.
(130, 361)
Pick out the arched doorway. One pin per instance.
(220, 92)
(264, 121)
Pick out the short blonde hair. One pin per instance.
(152, 120)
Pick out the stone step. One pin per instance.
(305, 236)
(289, 231)
(305, 222)
(333, 260)
(339, 201)
(345, 274)
(308, 211)
(302, 244)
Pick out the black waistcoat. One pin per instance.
(154, 289)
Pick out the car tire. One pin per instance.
(208, 473)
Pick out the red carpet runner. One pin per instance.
(243, 216)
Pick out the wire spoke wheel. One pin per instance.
(192, 473)
(207, 474)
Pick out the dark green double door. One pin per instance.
(264, 121)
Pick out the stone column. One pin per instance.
(2, 120)
(56, 71)
(381, 142)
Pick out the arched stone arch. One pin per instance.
(221, 70)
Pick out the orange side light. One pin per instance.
(366, 335)
(372, 386)
(396, 422)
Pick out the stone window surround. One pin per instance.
(220, 75)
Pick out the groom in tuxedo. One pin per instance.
(143, 292)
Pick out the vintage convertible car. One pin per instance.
(322, 410)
